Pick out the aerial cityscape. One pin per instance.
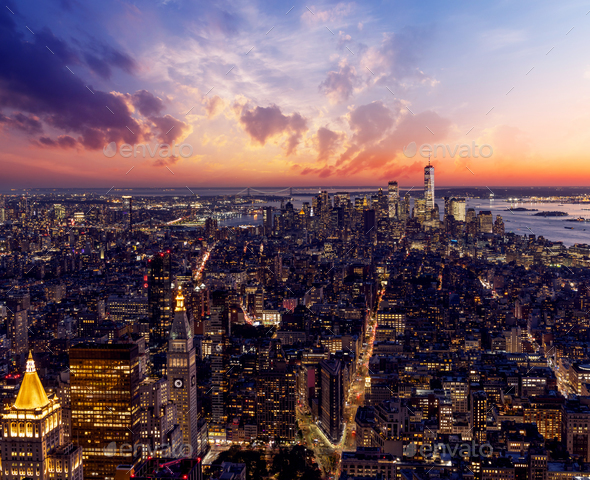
(246, 241)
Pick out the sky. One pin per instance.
(246, 93)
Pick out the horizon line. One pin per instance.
(288, 187)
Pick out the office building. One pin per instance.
(547, 414)
(393, 200)
(485, 222)
(404, 214)
(393, 318)
(457, 209)
(428, 188)
(267, 220)
(18, 331)
(126, 309)
(160, 298)
(369, 222)
(499, 227)
(368, 462)
(160, 434)
(219, 380)
(479, 413)
(128, 211)
(575, 429)
(332, 400)
(275, 397)
(104, 382)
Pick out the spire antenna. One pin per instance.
(30, 368)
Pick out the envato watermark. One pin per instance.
(165, 451)
(463, 450)
(144, 150)
(462, 150)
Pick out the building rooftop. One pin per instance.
(31, 394)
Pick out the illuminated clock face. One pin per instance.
(193, 381)
(178, 383)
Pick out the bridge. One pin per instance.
(285, 191)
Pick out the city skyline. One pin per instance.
(363, 83)
(362, 333)
(254, 240)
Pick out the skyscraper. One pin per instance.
(332, 399)
(429, 188)
(105, 406)
(267, 220)
(128, 211)
(498, 228)
(457, 209)
(182, 376)
(479, 409)
(160, 298)
(275, 398)
(405, 208)
(369, 222)
(485, 222)
(32, 442)
(219, 382)
(393, 200)
(18, 331)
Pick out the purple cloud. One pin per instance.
(263, 123)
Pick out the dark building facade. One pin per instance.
(160, 298)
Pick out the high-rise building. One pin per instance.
(160, 298)
(471, 224)
(513, 340)
(128, 211)
(210, 227)
(428, 188)
(499, 226)
(341, 199)
(32, 440)
(369, 222)
(456, 209)
(576, 436)
(479, 412)
(332, 399)
(393, 200)
(405, 208)
(160, 434)
(219, 381)
(420, 210)
(485, 222)
(267, 220)
(182, 376)
(275, 398)
(18, 331)
(105, 398)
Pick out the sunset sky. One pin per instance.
(293, 94)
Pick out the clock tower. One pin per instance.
(182, 377)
